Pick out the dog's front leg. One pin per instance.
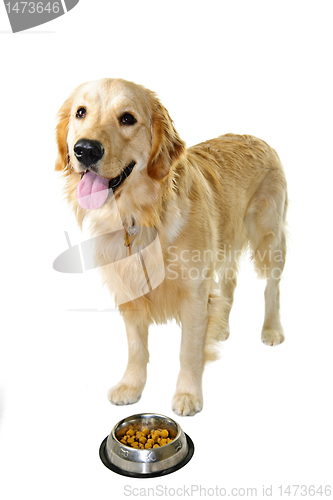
(194, 318)
(129, 389)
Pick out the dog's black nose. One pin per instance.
(88, 152)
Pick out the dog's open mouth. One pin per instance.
(92, 190)
(117, 181)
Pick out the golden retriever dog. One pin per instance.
(207, 204)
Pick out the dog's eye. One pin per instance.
(127, 119)
(81, 113)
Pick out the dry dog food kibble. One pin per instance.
(145, 438)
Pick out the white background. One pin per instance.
(262, 68)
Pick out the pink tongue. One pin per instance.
(92, 191)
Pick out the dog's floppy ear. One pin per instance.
(61, 134)
(166, 143)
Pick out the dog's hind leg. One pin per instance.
(129, 389)
(271, 268)
(220, 302)
(228, 284)
(266, 226)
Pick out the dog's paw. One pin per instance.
(186, 404)
(269, 336)
(123, 394)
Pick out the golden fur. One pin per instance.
(208, 203)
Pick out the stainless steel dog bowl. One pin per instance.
(151, 462)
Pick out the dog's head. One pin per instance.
(111, 132)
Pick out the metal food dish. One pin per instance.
(153, 462)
